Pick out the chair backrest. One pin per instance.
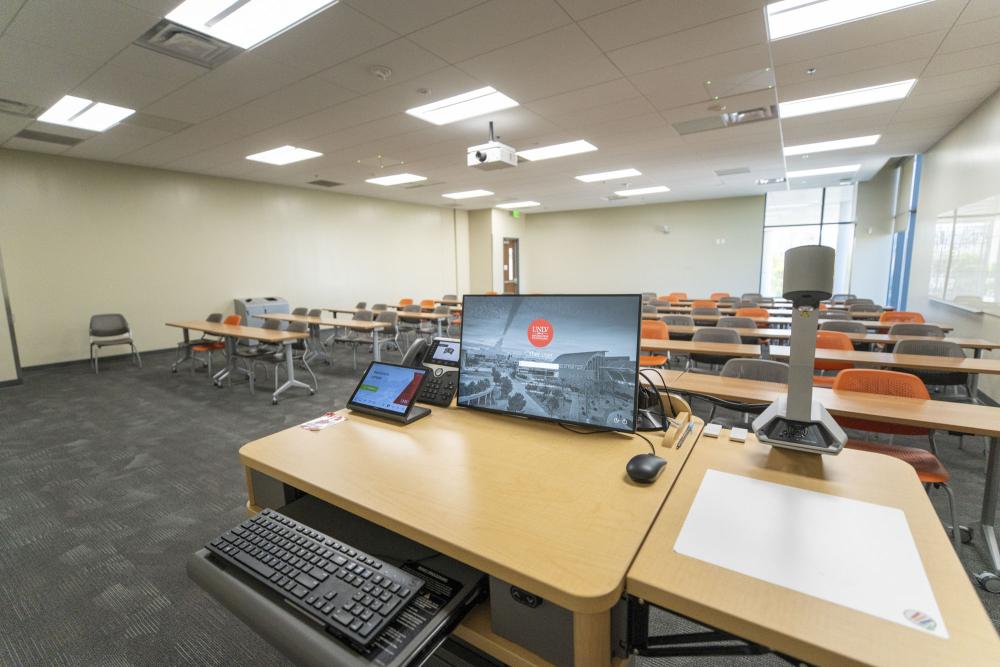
(751, 312)
(300, 311)
(715, 296)
(315, 312)
(274, 325)
(655, 329)
(450, 297)
(405, 302)
(930, 346)
(648, 308)
(883, 383)
(363, 315)
(214, 317)
(442, 310)
(832, 314)
(110, 324)
(703, 303)
(751, 296)
(678, 320)
(377, 306)
(855, 301)
(756, 369)
(864, 308)
(361, 305)
(846, 326)
(490, 293)
(710, 310)
(298, 327)
(833, 340)
(232, 319)
(733, 300)
(427, 303)
(679, 295)
(841, 298)
(716, 335)
(902, 316)
(411, 308)
(734, 322)
(669, 298)
(648, 296)
(390, 317)
(910, 329)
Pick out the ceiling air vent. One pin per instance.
(16, 108)
(422, 185)
(726, 120)
(47, 137)
(177, 41)
(324, 183)
(732, 172)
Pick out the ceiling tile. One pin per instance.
(558, 61)
(723, 36)
(490, 26)
(116, 85)
(584, 98)
(157, 65)
(95, 29)
(977, 10)
(8, 10)
(581, 9)
(985, 76)
(11, 125)
(405, 16)
(333, 36)
(949, 63)
(403, 57)
(117, 141)
(811, 86)
(37, 74)
(969, 35)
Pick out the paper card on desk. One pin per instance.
(852, 553)
(320, 423)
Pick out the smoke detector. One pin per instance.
(381, 72)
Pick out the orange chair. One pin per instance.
(679, 295)
(490, 293)
(929, 469)
(715, 296)
(657, 330)
(831, 340)
(427, 305)
(704, 303)
(405, 302)
(232, 319)
(908, 316)
(755, 313)
(672, 298)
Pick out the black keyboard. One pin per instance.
(353, 594)
(438, 390)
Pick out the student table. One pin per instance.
(316, 348)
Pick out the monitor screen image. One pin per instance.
(571, 358)
(387, 387)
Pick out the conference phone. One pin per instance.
(440, 358)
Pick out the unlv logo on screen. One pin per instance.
(540, 332)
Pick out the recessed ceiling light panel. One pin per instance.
(835, 145)
(245, 23)
(284, 155)
(85, 114)
(519, 204)
(396, 179)
(467, 105)
(845, 100)
(824, 171)
(795, 17)
(468, 194)
(608, 175)
(557, 150)
(643, 191)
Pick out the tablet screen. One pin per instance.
(388, 387)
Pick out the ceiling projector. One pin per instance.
(491, 155)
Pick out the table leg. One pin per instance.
(592, 638)
(440, 333)
(187, 352)
(376, 349)
(988, 516)
(315, 346)
(230, 359)
(974, 377)
(290, 380)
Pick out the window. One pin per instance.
(964, 258)
(792, 218)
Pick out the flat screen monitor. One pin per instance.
(569, 358)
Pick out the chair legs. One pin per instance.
(956, 529)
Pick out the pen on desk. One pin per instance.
(684, 435)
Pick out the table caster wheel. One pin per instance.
(274, 401)
(173, 370)
(312, 392)
(988, 581)
(966, 534)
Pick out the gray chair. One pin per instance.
(750, 369)
(751, 296)
(378, 306)
(109, 330)
(848, 326)
(300, 311)
(450, 297)
(712, 335)
(704, 312)
(428, 328)
(729, 301)
(409, 327)
(387, 336)
(298, 350)
(361, 305)
(648, 297)
(856, 301)
(841, 298)
(914, 329)
(834, 315)
(678, 321)
(734, 322)
(315, 312)
(353, 337)
(746, 303)
(864, 308)
(648, 308)
(937, 381)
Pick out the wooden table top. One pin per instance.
(481, 489)
(699, 347)
(890, 359)
(877, 338)
(414, 315)
(239, 331)
(324, 321)
(800, 625)
(946, 415)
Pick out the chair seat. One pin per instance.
(117, 340)
(928, 467)
(208, 347)
(652, 360)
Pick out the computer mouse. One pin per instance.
(645, 468)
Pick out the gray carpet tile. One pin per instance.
(109, 482)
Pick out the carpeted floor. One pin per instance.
(109, 482)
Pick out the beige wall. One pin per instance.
(84, 237)
(506, 226)
(962, 168)
(625, 249)
(481, 251)
(873, 236)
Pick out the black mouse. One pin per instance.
(645, 468)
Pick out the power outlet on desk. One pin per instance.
(522, 596)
